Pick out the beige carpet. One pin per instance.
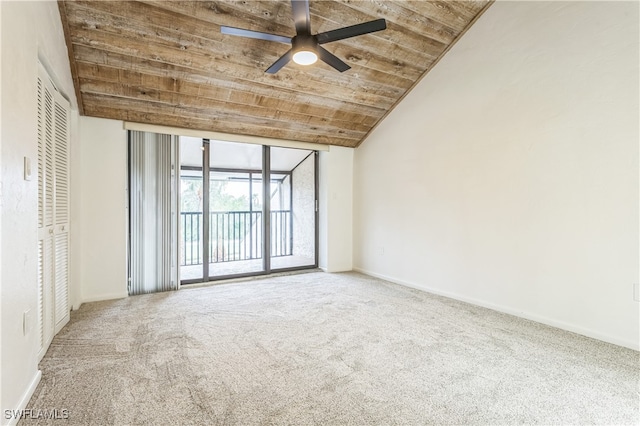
(327, 349)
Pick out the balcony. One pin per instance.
(235, 243)
(232, 185)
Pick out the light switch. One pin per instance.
(27, 168)
(26, 322)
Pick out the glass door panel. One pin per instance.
(292, 208)
(191, 210)
(235, 209)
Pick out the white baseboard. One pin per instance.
(335, 271)
(107, 296)
(504, 309)
(26, 396)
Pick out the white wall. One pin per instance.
(336, 209)
(100, 254)
(509, 176)
(75, 292)
(28, 30)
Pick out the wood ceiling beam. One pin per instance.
(407, 19)
(335, 14)
(454, 14)
(108, 62)
(228, 110)
(95, 106)
(110, 19)
(155, 103)
(95, 75)
(254, 16)
(351, 90)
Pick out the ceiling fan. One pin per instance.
(305, 47)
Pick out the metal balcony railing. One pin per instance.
(233, 236)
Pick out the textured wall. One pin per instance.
(509, 176)
(30, 30)
(303, 198)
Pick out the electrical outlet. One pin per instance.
(26, 322)
(27, 168)
(636, 292)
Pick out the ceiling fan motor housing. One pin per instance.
(305, 42)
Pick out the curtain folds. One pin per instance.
(152, 210)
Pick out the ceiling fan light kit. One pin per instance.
(305, 57)
(305, 47)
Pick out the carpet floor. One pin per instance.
(322, 348)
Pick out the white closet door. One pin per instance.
(61, 162)
(61, 216)
(41, 274)
(61, 280)
(45, 294)
(41, 149)
(53, 211)
(41, 208)
(48, 156)
(45, 213)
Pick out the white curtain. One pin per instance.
(153, 213)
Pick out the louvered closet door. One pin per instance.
(61, 212)
(45, 294)
(45, 214)
(53, 211)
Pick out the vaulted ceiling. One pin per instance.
(167, 63)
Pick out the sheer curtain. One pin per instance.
(153, 230)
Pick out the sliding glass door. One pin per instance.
(235, 209)
(293, 208)
(245, 209)
(191, 210)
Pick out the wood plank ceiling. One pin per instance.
(166, 63)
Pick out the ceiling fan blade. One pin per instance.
(331, 59)
(254, 34)
(301, 17)
(277, 65)
(352, 31)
